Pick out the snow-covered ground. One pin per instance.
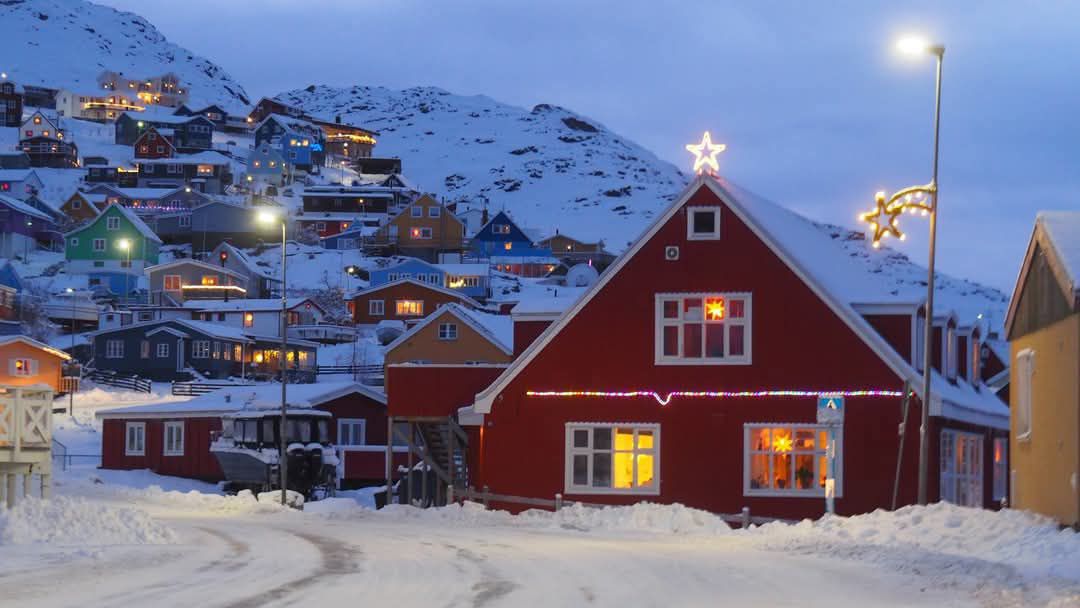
(133, 537)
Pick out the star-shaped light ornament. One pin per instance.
(705, 155)
(887, 211)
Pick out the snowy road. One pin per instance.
(283, 559)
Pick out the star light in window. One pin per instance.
(714, 309)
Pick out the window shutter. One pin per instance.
(33, 365)
(11, 367)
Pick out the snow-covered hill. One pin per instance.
(67, 43)
(551, 168)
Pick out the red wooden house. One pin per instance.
(174, 438)
(690, 373)
(155, 143)
(402, 300)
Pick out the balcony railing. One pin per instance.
(323, 333)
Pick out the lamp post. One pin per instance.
(71, 393)
(125, 245)
(883, 221)
(266, 216)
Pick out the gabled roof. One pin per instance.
(298, 125)
(450, 292)
(52, 120)
(246, 305)
(214, 330)
(163, 116)
(236, 254)
(22, 207)
(1057, 234)
(800, 247)
(17, 175)
(131, 217)
(486, 231)
(4, 341)
(206, 157)
(498, 329)
(192, 262)
(406, 211)
(9, 277)
(407, 261)
(89, 199)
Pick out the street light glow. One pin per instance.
(912, 45)
(265, 216)
(124, 244)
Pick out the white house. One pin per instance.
(257, 317)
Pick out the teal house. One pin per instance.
(113, 250)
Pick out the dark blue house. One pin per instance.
(502, 237)
(23, 228)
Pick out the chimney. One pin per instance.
(337, 119)
(484, 216)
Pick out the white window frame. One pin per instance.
(950, 356)
(1024, 377)
(353, 422)
(162, 350)
(98, 245)
(448, 331)
(28, 369)
(376, 308)
(135, 439)
(746, 321)
(114, 349)
(200, 349)
(172, 430)
(74, 241)
(815, 492)
(570, 451)
(185, 221)
(952, 443)
(1000, 457)
(179, 282)
(112, 223)
(416, 211)
(702, 236)
(434, 211)
(397, 308)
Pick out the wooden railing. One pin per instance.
(323, 332)
(25, 419)
(195, 389)
(119, 380)
(362, 370)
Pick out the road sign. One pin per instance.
(830, 409)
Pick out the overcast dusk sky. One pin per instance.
(817, 110)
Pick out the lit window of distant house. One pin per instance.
(1001, 467)
(500, 228)
(209, 280)
(612, 459)
(409, 308)
(376, 308)
(172, 282)
(787, 460)
(135, 445)
(448, 331)
(703, 223)
(22, 367)
(249, 319)
(703, 329)
(174, 438)
(205, 170)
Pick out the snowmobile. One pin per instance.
(248, 450)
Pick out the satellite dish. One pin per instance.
(581, 275)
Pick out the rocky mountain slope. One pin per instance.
(551, 168)
(67, 43)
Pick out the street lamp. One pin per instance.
(125, 245)
(883, 220)
(71, 392)
(268, 217)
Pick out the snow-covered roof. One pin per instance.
(137, 222)
(144, 193)
(214, 330)
(4, 341)
(206, 157)
(189, 261)
(468, 270)
(236, 254)
(246, 305)
(450, 292)
(827, 269)
(16, 175)
(22, 207)
(497, 329)
(240, 398)
(545, 306)
(296, 124)
(1063, 230)
(162, 116)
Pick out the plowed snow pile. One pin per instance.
(65, 521)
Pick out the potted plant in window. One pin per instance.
(806, 477)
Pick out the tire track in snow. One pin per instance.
(229, 563)
(492, 586)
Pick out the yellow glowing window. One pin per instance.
(45, 133)
(292, 142)
(37, 120)
(209, 279)
(206, 169)
(273, 164)
(409, 308)
(257, 164)
(783, 460)
(249, 319)
(612, 459)
(259, 357)
(306, 142)
(508, 245)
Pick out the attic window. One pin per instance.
(500, 228)
(703, 224)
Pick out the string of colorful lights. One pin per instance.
(666, 398)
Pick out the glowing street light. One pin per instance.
(882, 220)
(268, 217)
(125, 246)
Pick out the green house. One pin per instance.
(113, 250)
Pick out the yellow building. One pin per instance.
(1043, 327)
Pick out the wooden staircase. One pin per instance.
(442, 448)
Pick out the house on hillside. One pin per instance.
(213, 112)
(330, 210)
(667, 363)
(509, 249)
(47, 145)
(20, 183)
(455, 335)
(164, 90)
(261, 282)
(259, 317)
(356, 236)
(424, 229)
(210, 223)
(473, 280)
(154, 143)
(570, 251)
(27, 362)
(82, 207)
(11, 104)
(266, 166)
(98, 250)
(120, 176)
(189, 133)
(208, 172)
(176, 282)
(345, 142)
(405, 300)
(266, 107)
(174, 438)
(24, 228)
(177, 349)
(300, 142)
(148, 202)
(97, 108)
(1043, 328)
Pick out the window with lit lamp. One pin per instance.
(703, 329)
(785, 459)
(612, 458)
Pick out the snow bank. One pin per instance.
(66, 521)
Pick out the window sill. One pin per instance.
(579, 491)
(693, 362)
(785, 494)
(173, 454)
(134, 453)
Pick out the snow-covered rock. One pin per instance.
(68, 43)
(64, 521)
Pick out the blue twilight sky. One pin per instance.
(817, 110)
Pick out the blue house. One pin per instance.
(473, 280)
(10, 286)
(266, 166)
(23, 227)
(351, 238)
(300, 142)
(502, 237)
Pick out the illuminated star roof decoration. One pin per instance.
(705, 154)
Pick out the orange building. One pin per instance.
(402, 300)
(424, 229)
(25, 362)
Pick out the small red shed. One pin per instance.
(174, 438)
(691, 371)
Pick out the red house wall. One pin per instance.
(797, 342)
(329, 229)
(404, 291)
(896, 329)
(361, 466)
(196, 463)
(526, 332)
(436, 390)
